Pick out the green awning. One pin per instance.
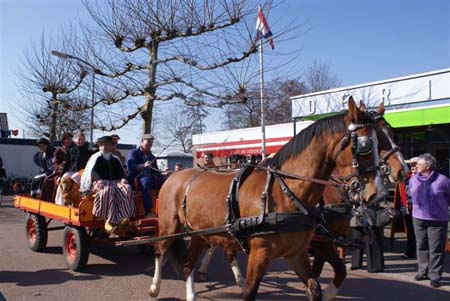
(420, 117)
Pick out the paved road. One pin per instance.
(119, 273)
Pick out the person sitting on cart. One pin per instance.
(105, 176)
(143, 172)
(76, 158)
(61, 153)
(43, 159)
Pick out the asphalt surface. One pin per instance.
(123, 273)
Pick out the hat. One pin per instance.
(104, 139)
(412, 160)
(115, 137)
(42, 141)
(148, 137)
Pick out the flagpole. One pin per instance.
(261, 80)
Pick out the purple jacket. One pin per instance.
(430, 196)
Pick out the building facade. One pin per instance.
(417, 106)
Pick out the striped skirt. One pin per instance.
(114, 202)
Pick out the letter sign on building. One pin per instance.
(385, 96)
(312, 106)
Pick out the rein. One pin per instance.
(294, 176)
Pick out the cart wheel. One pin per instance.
(36, 232)
(75, 248)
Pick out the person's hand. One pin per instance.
(147, 164)
(124, 181)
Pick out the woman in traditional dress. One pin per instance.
(104, 175)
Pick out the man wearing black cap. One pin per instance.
(104, 174)
(43, 159)
(143, 171)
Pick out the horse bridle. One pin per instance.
(385, 168)
(360, 146)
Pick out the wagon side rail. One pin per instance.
(80, 216)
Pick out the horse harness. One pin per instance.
(384, 167)
(360, 146)
(240, 228)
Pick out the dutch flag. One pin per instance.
(263, 30)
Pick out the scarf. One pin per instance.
(424, 189)
(107, 156)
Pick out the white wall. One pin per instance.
(18, 160)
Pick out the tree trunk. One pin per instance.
(150, 89)
(147, 114)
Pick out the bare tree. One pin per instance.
(179, 123)
(47, 85)
(277, 105)
(152, 51)
(318, 77)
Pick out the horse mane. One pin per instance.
(332, 124)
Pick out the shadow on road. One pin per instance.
(42, 277)
(53, 250)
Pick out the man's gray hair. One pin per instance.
(430, 161)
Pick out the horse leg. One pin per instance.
(317, 266)
(231, 256)
(302, 267)
(206, 260)
(175, 247)
(327, 252)
(340, 273)
(258, 261)
(195, 250)
(160, 250)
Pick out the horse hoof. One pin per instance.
(153, 291)
(330, 292)
(191, 298)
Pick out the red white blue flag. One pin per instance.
(263, 30)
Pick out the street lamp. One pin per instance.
(94, 71)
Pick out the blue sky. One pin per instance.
(362, 40)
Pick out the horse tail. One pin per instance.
(176, 255)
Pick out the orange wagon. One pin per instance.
(81, 228)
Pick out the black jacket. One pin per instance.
(76, 158)
(108, 169)
(45, 162)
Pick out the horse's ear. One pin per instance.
(352, 109)
(362, 106)
(381, 109)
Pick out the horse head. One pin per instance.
(357, 156)
(392, 163)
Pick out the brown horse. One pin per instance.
(324, 249)
(332, 143)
